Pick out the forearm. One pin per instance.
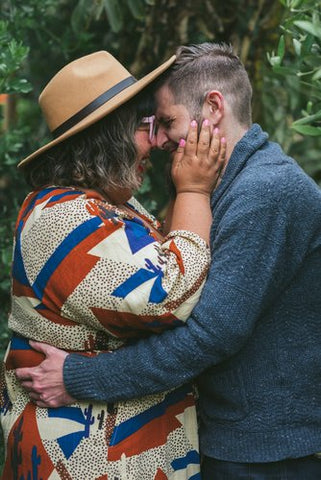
(136, 371)
(165, 361)
(196, 169)
(233, 298)
(192, 211)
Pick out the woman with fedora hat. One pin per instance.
(93, 271)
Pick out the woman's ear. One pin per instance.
(213, 107)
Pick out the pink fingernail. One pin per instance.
(194, 123)
(206, 122)
(182, 142)
(216, 130)
(223, 140)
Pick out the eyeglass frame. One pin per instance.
(152, 126)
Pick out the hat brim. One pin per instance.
(104, 110)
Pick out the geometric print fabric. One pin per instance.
(89, 277)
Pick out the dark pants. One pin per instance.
(306, 468)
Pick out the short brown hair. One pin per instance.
(207, 66)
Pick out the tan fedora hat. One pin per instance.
(86, 90)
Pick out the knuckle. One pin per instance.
(52, 403)
(43, 397)
(203, 147)
(36, 386)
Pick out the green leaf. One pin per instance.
(19, 85)
(115, 14)
(6, 256)
(308, 119)
(284, 70)
(317, 75)
(137, 8)
(307, 130)
(275, 61)
(295, 3)
(297, 46)
(281, 48)
(309, 107)
(78, 15)
(99, 10)
(312, 28)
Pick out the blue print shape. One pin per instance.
(157, 294)
(19, 343)
(183, 462)
(18, 268)
(66, 246)
(68, 443)
(137, 235)
(131, 426)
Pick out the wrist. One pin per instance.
(193, 191)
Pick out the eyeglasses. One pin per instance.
(152, 126)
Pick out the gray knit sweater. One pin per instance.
(254, 339)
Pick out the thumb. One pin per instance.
(40, 347)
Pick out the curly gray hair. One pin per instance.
(102, 154)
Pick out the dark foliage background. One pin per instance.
(278, 40)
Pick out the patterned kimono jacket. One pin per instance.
(88, 278)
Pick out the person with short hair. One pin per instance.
(92, 271)
(253, 339)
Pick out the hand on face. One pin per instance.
(44, 383)
(200, 161)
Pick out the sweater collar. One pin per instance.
(251, 141)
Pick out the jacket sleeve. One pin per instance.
(251, 263)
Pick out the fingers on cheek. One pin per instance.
(214, 150)
(203, 147)
(190, 148)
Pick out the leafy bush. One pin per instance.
(39, 37)
(298, 56)
(12, 189)
(296, 83)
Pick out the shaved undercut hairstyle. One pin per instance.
(210, 66)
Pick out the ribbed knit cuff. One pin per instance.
(79, 374)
